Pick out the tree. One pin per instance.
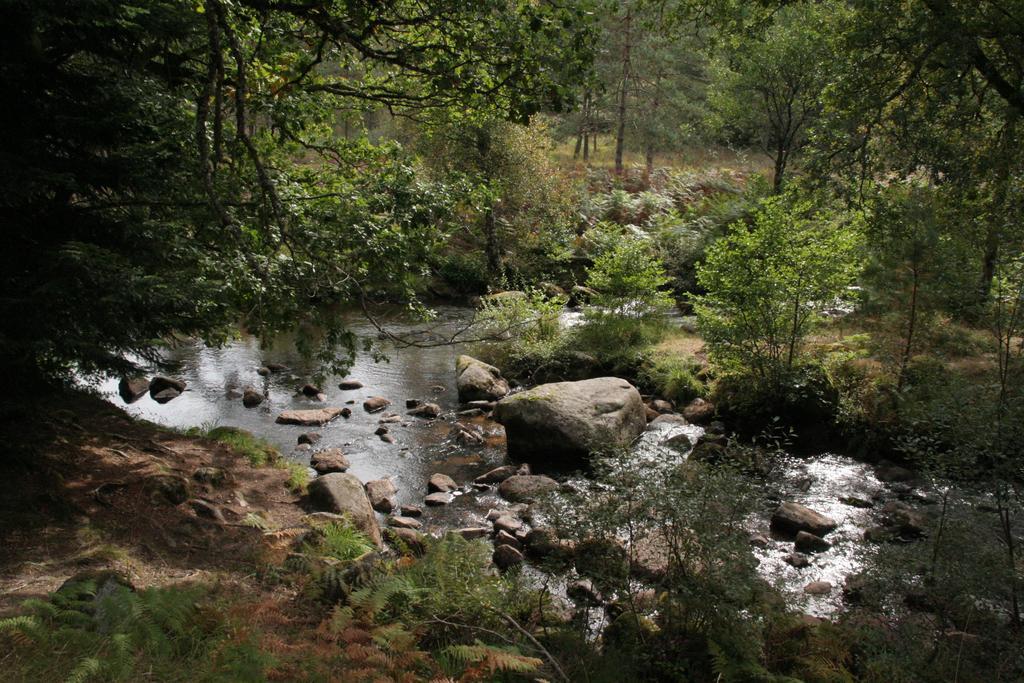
(768, 87)
(523, 210)
(173, 169)
(767, 282)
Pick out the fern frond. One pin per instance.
(86, 669)
(491, 659)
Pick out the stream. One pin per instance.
(423, 447)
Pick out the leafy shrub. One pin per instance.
(766, 284)
(679, 530)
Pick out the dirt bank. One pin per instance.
(85, 487)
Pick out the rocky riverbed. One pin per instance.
(419, 432)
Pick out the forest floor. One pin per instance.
(97, 490)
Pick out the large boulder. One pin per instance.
(566, 421)
(792, 518)
(343, 493)
(308, 418)
(478, 381)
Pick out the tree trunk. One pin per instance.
(579, 145)
(780, 169)
(491, 245)
(649, 161)
(620, 136)
(490, 228)
(586, 148)
(911, 323)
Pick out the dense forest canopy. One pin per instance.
(801, 220)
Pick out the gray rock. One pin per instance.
(478, 381)
(903, 520)
(471, 413)
(251, 398)
(663, 421)
(498, 474)
(309, 437)
(381, 493)
(580, 295)
(471, 532)
(791, 518)
(809, 543)
(485, 406)
(526, 488)
(441, 483)
(544, 542)
(166, 395)
(375, 404)
(161, 383)
(818, 588)
(857, 501)
(331, 460)
(759, 540)
(131, 389)
(426, 410)
(661, 406)
(435, 499)
(407, 539)
(343, 493)
(308, 418)
(680, 443)
(403, 522)
(505, 557)
(350, 385)
(699, 411)
(411, 511)
(311, 391)
(894, 474)
(797, 560)
(565, 421)
(505, 538)
(381, 431)
(508, 524)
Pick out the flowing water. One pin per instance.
(424, 447)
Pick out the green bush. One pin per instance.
(464, 271)
(673, 377)
(766, 284)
